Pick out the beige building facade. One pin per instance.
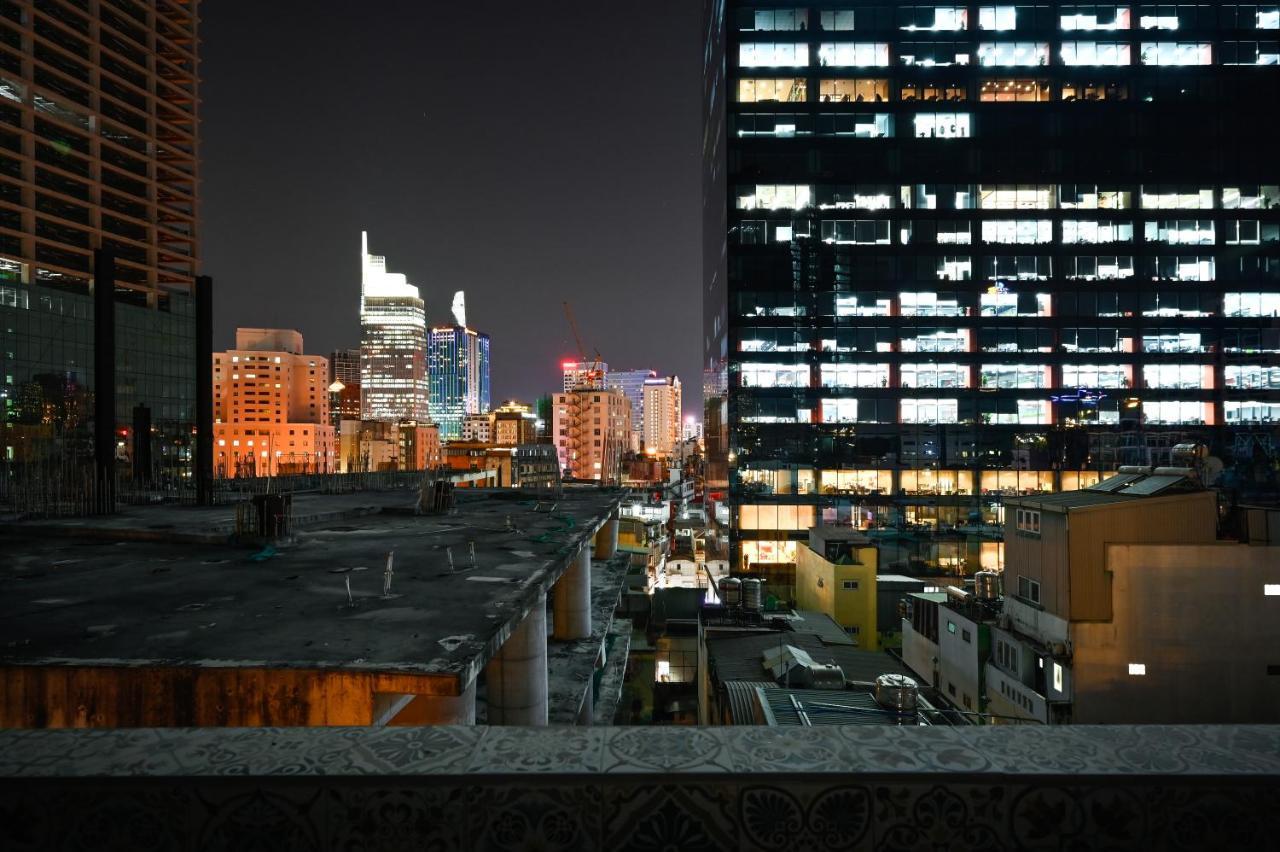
(591, 429)
(661, 433)
(271, 407)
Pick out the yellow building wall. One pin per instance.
(820, 587)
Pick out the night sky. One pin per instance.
(527, 153)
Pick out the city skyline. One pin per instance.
(483, 213)
(980, 514)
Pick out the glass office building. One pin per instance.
(958, 252)
(393, 343)
(458, 363)
(98, 139)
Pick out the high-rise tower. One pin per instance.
(458, 365)
(393, 343)
(961, 251)
(99, 183)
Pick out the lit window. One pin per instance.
(789, 89)
(773, 55)
(998, 18)
(1177, 53)
(1137, 669)
(1271, 590)
(942, 125)
(854, 54)
(1094, 18)
(1095, 53)
(1013, 53)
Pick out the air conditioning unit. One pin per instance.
(1004, 622)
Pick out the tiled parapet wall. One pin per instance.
(642, 788)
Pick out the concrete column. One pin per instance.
(573, 598)
(606, 540)
(517, 676)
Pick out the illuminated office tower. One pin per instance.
(458, 365)
(393, 343)
(631, 383)
(99, 116)
(956, 252)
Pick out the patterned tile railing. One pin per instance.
(642, 788)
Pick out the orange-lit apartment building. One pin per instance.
(271, 407)
(592, 429)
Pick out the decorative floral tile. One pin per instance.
(658, 749)
(951, 817)
(236, 817)
(395, 819)
(668, 817)
(544, 817)
(548, 750)
(418, 750)
(804, 816)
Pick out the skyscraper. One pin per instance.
(459, 371)
(100, 113)
(393, 343)
(956, 252)
(631, 383)
(661, 414)
(344, 366)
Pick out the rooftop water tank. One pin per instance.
(896, 692)
(986, 585)
(752, 594)
(731, 591)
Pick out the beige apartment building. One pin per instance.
(271, 407)
(661, 433)
(591, 428)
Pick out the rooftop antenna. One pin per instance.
(448, 551)
(386, 575)
(350, 601)
(472, 546)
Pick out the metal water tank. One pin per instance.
(896, 692)
(731, 591)
(986, 585)
(752, 594)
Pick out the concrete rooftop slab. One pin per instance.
(78, 601)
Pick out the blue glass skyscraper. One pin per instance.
(458, 367)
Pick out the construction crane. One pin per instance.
(594, 375)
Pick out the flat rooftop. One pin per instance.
(77, 601)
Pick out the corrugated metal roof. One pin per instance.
(744, 705)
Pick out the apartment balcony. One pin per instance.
(852, 787)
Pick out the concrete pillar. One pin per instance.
(573, 598)
(392, 709)
(517, 676)
(606, 540)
